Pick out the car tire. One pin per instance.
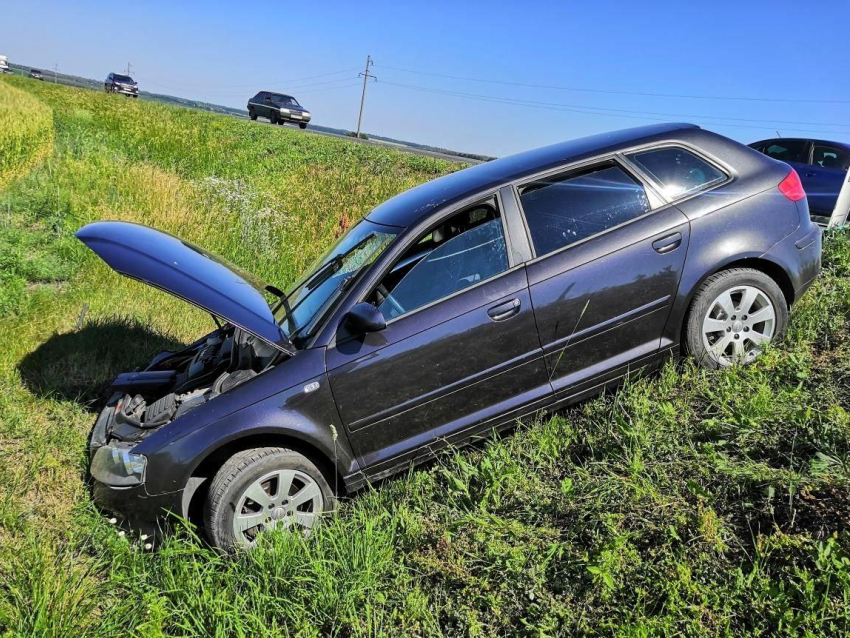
(302, 125)
(264, 473)
(732, 314)
(273, 117)
(252, 114)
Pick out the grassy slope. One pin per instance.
(690, 503)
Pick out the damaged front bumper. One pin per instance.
(118, 480)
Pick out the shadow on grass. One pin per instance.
(77, 366)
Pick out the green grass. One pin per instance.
(690, 503)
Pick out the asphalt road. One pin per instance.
(401, 147)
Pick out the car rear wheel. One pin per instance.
(733, 316)
(261, 489)
(252, 114)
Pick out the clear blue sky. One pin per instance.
(223, 51)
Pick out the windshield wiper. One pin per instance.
(319, 276)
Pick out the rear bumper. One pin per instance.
(799, 254)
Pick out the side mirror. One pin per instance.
(364, 317)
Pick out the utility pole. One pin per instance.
(366, 75)
(129, 66)
(56, 73)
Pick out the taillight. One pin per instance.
(792, 187)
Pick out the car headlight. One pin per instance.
(305, 114)
(118, 467)
(284, 111)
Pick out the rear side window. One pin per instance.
(787, 150)
(565, 209)
(678, 171)
(830, 157)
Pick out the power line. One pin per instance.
(612, 92)
(589, 110)
(594, 109)
(266, 82)
(331, 88)
(242, 92)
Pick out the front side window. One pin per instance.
(677, 171)
(830, 157)
(787, 150)
(565, 209)
(462, 251)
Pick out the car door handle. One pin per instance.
(504, 310)
(667, 244)
(811, 174)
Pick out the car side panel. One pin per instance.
(438, 370)
(604, 303)
(822, 186)
(726, 229)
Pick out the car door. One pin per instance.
(608, 260)
(795, 153)
(265, 105)
(460, 350)
(824, 177)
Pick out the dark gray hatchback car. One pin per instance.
(278, 108)
(521, 284)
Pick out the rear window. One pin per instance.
(678, 171)
(786, 150)
(565, 209)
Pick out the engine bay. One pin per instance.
(174, 383)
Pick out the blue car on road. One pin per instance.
(822, 167)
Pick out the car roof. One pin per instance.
(417, 203)
(276, 93)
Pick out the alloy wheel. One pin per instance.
(739, 322)
(290, 499)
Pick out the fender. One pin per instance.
(304, 413)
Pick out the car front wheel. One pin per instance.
(261, 489)
(733, 316)
(302, 125)
(273, 117)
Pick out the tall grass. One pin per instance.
(691, 503)
(26, 133)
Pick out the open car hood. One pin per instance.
(187, 272)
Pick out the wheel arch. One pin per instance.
(212, 461)
(770, 268)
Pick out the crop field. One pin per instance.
(688, 503)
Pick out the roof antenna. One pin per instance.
(778, 134)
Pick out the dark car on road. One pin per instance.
(453, 309)
(278, 109)
(118, 83)
(822, 167)
(35, 74)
